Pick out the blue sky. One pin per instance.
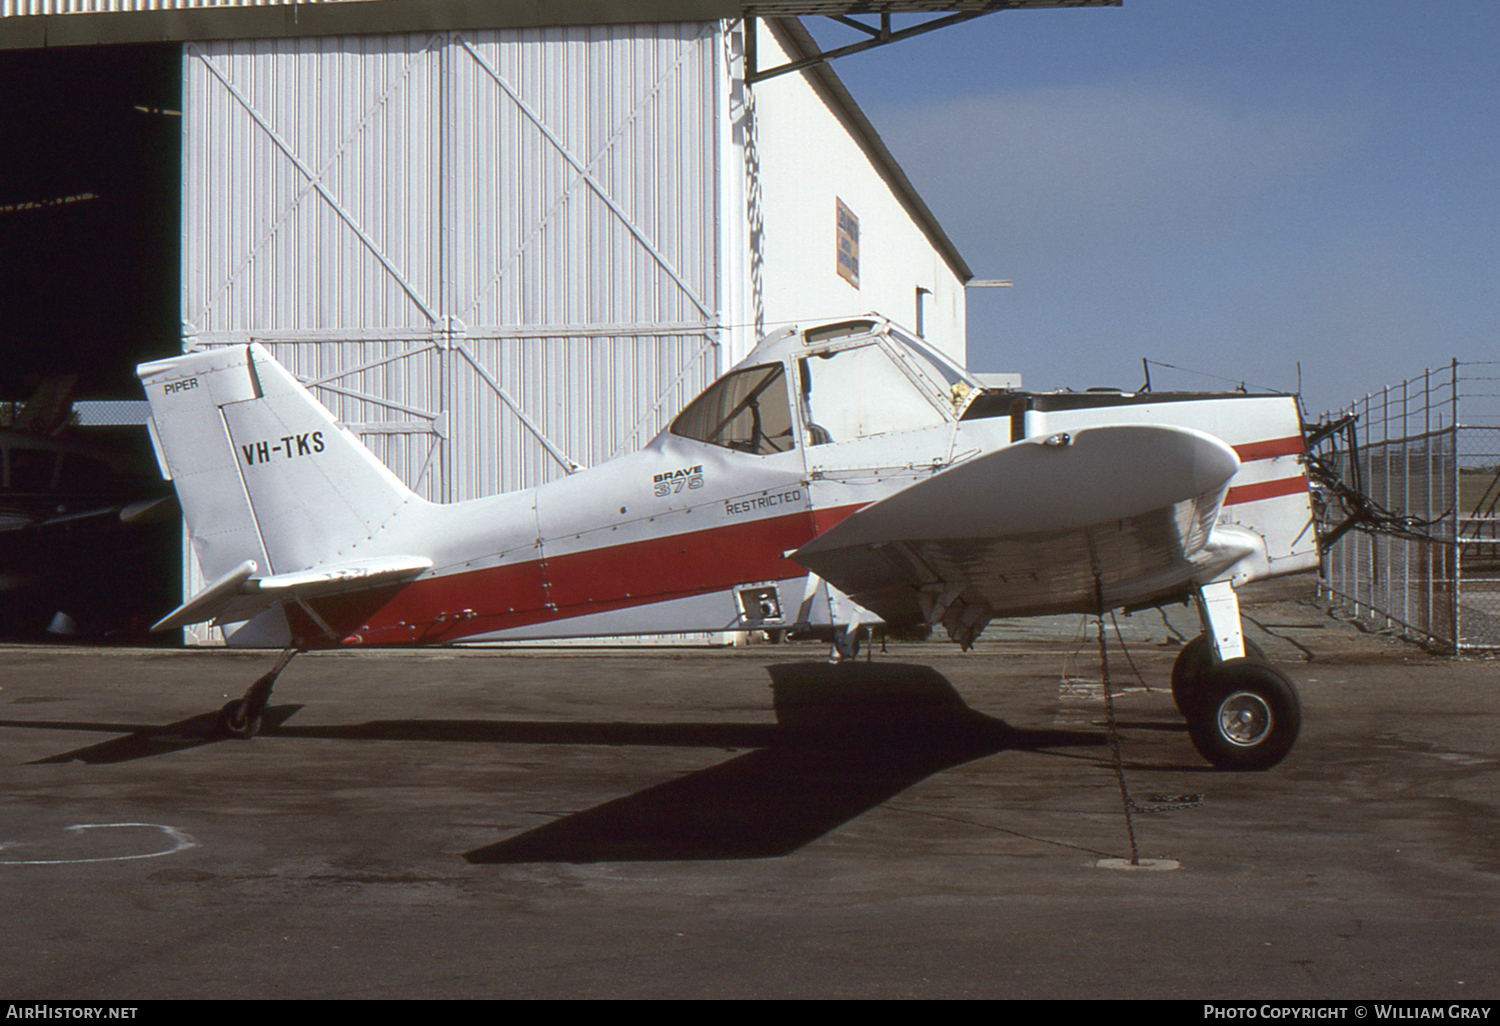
(1227, 187)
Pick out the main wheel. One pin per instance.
(1193, 664)
(1246, 716)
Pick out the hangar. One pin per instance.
(502, 240)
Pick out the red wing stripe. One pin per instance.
(1265, 490)
(1270, 447)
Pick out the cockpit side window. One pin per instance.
(747, 411)
(857, 392)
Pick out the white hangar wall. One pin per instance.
(812, 161)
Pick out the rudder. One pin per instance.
(262, 469)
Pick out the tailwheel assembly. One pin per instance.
(240, 717)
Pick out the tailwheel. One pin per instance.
(1245, 715)
(240, 717)
(239, 720)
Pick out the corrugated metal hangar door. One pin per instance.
(492, 252)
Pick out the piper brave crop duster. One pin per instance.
(837, 477)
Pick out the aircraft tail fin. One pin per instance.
(263, 471)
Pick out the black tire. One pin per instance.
(1193, 664)
(1188, 671)
(236, 721)
(1248, 716)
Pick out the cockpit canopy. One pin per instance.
(848, 380)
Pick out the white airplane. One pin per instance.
(837, 477)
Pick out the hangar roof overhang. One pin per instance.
(35, 24)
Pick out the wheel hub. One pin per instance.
(1244, 719)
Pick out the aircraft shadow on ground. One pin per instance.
(144, 740)
(846, 739)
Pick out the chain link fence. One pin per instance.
(1407, 481)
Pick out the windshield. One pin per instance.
(934, 365)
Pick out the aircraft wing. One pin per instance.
(141, 512)
(1041, 526)
(240, 594)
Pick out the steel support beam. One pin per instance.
(882, 36)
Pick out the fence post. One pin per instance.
(1430, 617)
(1453, 513)
(1405, 505)
(1384, 543)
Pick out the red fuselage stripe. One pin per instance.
(1265, 490)
(1270, 447)
(459, 605)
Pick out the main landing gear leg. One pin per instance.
(1242, 712)
(845, 643)
(240, 717)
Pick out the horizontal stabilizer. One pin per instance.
(239, 594)
(206, 604)
(1042, 526)
(151, 511)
